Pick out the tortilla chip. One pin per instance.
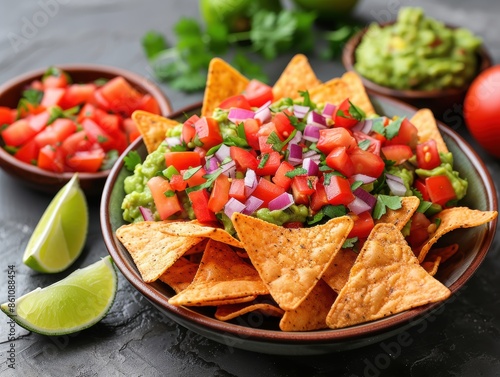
(230, 301)
(222, 276)
(297, 76)
(431, 265)
(152, 251)
(333, 91)
(358, 94)
(198, 248)
(152, 127)
(291, 261)
(311, 313)
(267, 309)
(399, 217)
(223, 81)
(337, 273)
(428, 129)
(445, 252)
(386, 279)
(193, 229)
(180, 274)
(454, 218)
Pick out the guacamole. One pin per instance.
(417, 52)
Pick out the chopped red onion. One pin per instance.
(264, 106)
(311, 133)
(263, 115)
(223, 152)
(211, 164)
(296, 139)
(252, 204)
(311, 166)
(362, 178)
(281, 202)
(229, 168)
(300, 111)
(146, 213)
(317, 119)
(233, 205)
(309, 153)
(295, 153)
(250, 182)
(395, 184)
(365, 196)
(329, 110)
(173, 141)
(236, 115)
(358, 206)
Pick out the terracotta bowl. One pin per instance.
(261, 334)
(440, 101)
(45, 181)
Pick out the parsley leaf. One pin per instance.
(356, 112)
(153, 43)
(263, 161)
(328, 211)
(364, 144)
(307, 98)
(349, 243)
(392, 128)
(384, 202)
(295, 172)
(131, 160)
(190, 172)
(276, 142)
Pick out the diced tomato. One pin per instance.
(55, 81)
(37, 85)
(51, 158)
(363, 225)
(52, 97)
(271, 166)
(331, 138)
(88, 111)
(264, 146)
(238, 101)
(398, 153)
(251, 127)
(283, 125)
(121, 96)
(110, 122)
(199, 201)
(148, 103)
(188, 130)
(338, 191)
(182, 160)
(408, 135)
(38, 121)
(257, 93)
(86, 161)
(96, 134)
(440, 189)
(293, 225)
(101, 101)
(367, 163)
(428, 155)
(375, 142)
(237, 189)
(339, 160)
(419, 232)
(267, 191)
(28, 152)
(131, 129)
(220, 193)
(319, 198)
(177, 182)
(420, 186)
(56, 132)
(6, 115)
(280, 178)
(197, 178)
(302, 187)
(244, 159)
(166, 201)
(77, 94)
(343, 117)
(76, 142)
(18, 133)
(267, 129)
(208, 132)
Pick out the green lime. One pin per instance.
(75, 303)
(60, 234)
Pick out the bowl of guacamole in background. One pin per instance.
(417, 59)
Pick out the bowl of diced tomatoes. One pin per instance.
(60, 120)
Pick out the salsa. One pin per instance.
(294, 163)
(417, 52)
(61, 126)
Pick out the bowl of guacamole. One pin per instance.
(417, 59)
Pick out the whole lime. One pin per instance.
(235, 14)
(328, 9)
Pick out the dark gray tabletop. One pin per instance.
(135, 339)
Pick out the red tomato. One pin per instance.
(305, 185)
(76, 142)
(52, 97)
(271, 166)
(428, 155)
(440, 189)
(199, 201)
(188, 130)
(220, 194)
(6, 115)
(339, 160)
(283, 125)
(182, 160)
(237, 189)
(166, 203)
(197, 178)
(208, 132)
(131, 130)
(342, 117)
(96, 134)
(77, 94)
(375, 141)
(121, 97)
(420, 186)
(238, 101)
(408, 135)
(482, 110)
(319, 198)
(18, 133)
(51, 158)
(257, 93)
(418, 230)
(331, 138)
(243, 158)
(398, 153)
(28, 152)
(178, 183)
(149, 104)
(338, 191)
(363, 225)
(110, 122)
(367, 163)
(251, 127)
(267, 191)
(280, 178)
(59, 80)
(55, 133)
(86, 161)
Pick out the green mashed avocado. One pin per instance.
(417, 52)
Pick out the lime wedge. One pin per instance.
(75, 303)
(60, 234)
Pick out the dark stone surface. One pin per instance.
(135, 339)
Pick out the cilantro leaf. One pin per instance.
(33, 96)
(295, 172)
(190, 172)
(272, 33)
(384, 202)
(249, 68)
(349, 243)
(263, 161)
(276, 142)
(392, 128)
(109, 159)
(364, 144)
(356, 112)
(153, 43)
(306, 98)
(131, 160)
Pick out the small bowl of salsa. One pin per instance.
(417, 59)
(60, 120)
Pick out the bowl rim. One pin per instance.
(349, 59)
(136, 79)
(317, 337)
